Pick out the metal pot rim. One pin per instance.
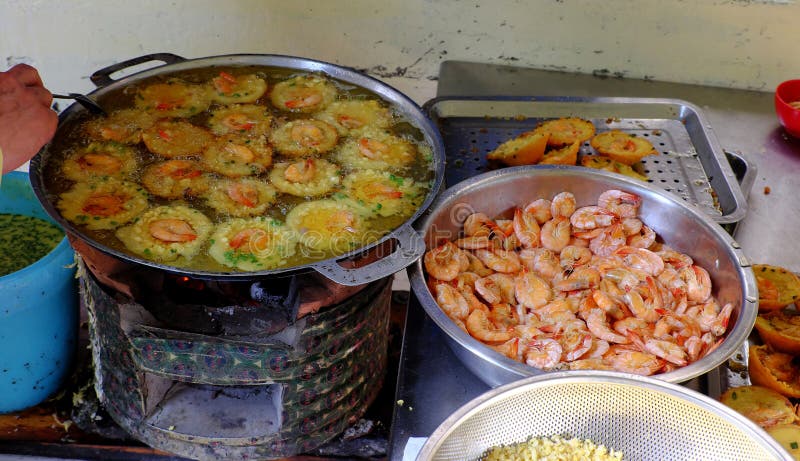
(408, 242)
(746, 315)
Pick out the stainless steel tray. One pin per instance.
(690, 164)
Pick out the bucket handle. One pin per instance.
(410, 247)
(103, 78)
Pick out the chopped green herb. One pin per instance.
(734, 396)
(396, 179)
(793, 445)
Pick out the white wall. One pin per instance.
(737, 43)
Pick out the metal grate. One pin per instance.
(676, 169)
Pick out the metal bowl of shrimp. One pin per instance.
(535, 269)
(639, 417)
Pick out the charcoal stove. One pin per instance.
(237, 370)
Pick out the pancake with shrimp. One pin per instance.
(173, 98)
(228, 88)
(375, 149)
(304, 137)
(170, 139)
(381, 193)
(306, 178)
(245, 120)
(174, 179)
(234, 157)
(173, 234)
(240, 197)
(328, 226)
(103, 204)
(124, 125)
(354, 116)
(100, 159)
(303, 93)
(255, 244)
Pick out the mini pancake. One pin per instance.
(622, 147)
(100, 159)
(352, 117)
(381, 193)
(305, 178)
(123, 126)
(240, 197)
(304, 93)
(328, 226)
(606, 164)
(167, 234)
(173, 98)
(377, 150)
(254, 244)
(175, 178)
(304, 137)
(172, 139)
(231, 89)
(247, 120)
(567, 155)
(565, 131)
(235, 157)
(526, 149)
(106, 203)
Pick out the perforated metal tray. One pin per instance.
(690, 162)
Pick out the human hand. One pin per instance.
(26, 120)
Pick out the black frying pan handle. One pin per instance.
(103, 78)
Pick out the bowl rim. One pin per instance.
(782, 87)
(737, 335)
(598, 377)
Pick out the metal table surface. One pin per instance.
(432, 383)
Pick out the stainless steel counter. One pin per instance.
(432, 383)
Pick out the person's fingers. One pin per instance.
(42, 94)
(26, 75)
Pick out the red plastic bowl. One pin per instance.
(789, 117)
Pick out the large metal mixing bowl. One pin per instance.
(681, 225)
(644, 418)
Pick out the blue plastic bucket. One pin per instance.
(38, 312)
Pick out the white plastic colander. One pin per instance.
(644, 418)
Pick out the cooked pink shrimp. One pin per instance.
(540, 209)
(636, 325)
(641, 259)
(445, 262)
(465, 280)
(563, 204)
(642, 239)
(477, 266)
(581, 278)
(598, 349)
(591, 217)
(632, 361)
(497, 288)
(661, 348)
(544, 354)
(626, 280)
(472, 301)
(500, 260)
(698, 283)
(479, 326)
(572, 256)
(555, 233)
(671, 279)
(509, 348)
(712, 318)
(591, 363)
(598, 324)
(504, 315)
(451, 301)
(622, 204)
(478, 225)
(474, 242)
(526, 228)
(641, 309)
(609, 240)
(609, 305)
(575, 344)
(531, 290)
(632, 226)
(542, 261)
